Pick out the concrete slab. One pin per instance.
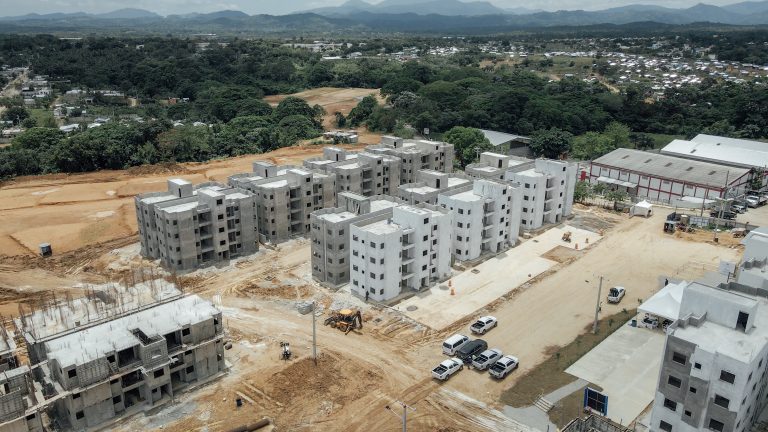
(626, 365)
(488, 281)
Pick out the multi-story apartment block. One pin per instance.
(190, 227)
(416, 155)
(117, 352)
(285, 197)
(409, 251)
(547, 187)
(430, 184)
(713, 373)
(362, 173)
(19, 409)
(330, 233)
(486, 218)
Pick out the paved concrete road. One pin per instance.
(492, 279)
(626, 365)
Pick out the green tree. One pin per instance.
(292, 106)
(551, 143)
(582, 191)
(362, 111)
(468, 143)
(16, 114)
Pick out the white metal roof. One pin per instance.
(499, 138)
(671, 167)
(729, 151)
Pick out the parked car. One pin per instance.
(725, 214)
(483, 324)
(472, 348)
(753, 200)
(738, 208)
(486, 359)
(615, 294)
(446, 368)
(503, 366)
(453, 343)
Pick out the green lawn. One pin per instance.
(43, 117)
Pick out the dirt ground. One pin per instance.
(360, 373)
(335, 100)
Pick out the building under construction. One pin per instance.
(120, 350)
(19, 394)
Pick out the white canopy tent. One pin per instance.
(666, 302)
(643, 208)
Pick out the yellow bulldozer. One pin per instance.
(345, 320)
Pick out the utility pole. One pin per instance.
(597, 306)
(404, 417)
(314, 333)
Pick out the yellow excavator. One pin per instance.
(345, 320)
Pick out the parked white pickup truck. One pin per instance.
(444, 370)
(483, 324)
(503, 366)
(486, 358)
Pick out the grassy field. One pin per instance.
(550, 375)
(43, 117)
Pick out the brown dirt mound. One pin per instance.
(334, 379)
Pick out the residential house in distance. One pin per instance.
(486, 218)
(330, 233)
(408, 251)
(416, 155)
(285, 197)
(190, 226)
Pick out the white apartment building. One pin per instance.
(547, 187)
(416, 155)
(409, 251)
(486, 218)
(713, 374)
(361, 173)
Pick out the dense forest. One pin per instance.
(225, 84)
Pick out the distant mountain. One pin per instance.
(414, 16)
(128, 13)
(418, 7)
(522, 11)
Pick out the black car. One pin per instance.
(472, 348)
(725, 214)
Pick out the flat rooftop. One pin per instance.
(98, 341)
(468, 196)
(382, 227)
(179, 208)
(158, 198)
(381, 204)
(420, 189)
(457, 181)
(275, 184)
(338, 217)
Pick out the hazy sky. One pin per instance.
(165, 7)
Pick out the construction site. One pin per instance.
(97, 337)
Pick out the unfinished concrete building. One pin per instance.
(330, 234)
(402, 254)
(285, 197)
(430, 184)
(486, 218)
(362, 173)
(416, 155)
(20, 409)
(190, 227)
(493, 166)
(121, 350)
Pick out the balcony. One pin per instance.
(487, 222)
(489, 208)
(550, 184)
(549, 195)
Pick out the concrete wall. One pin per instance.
(375, 262)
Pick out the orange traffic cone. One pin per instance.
(452, 291)
(577, 246)
(450, 284)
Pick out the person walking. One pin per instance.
(366, 296)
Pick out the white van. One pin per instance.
(454, 343)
